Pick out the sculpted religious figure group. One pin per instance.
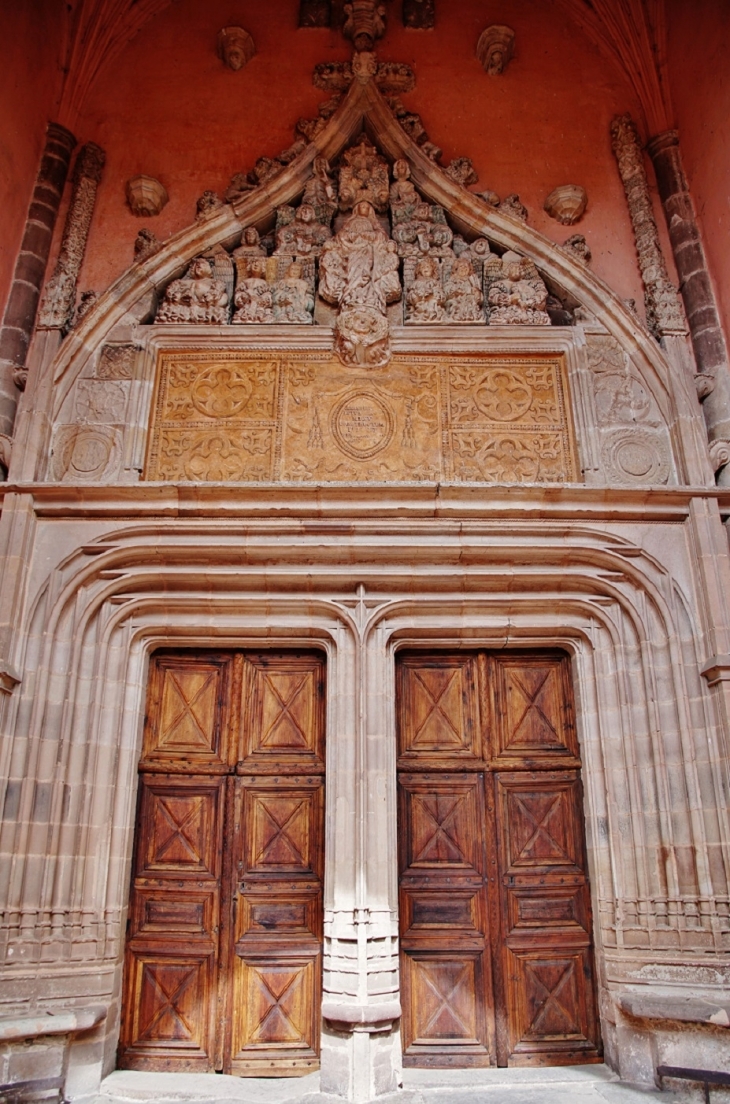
(361, 251)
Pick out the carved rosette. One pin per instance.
(664, 312)
(57, 308)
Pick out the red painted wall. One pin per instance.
(169, 108)
(699, 48)
(29, 84)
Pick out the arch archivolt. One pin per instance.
(646, 724)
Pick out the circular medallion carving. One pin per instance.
(502, 396)
(220, 392)
(636, 456)
(362, 425)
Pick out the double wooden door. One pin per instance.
(224, 947)
(495, 920)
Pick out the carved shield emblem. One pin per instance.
(362, 424)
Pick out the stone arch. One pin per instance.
(364, 106)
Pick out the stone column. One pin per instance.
(663, 309)
(708, 340)
(59, 298)
(20, 312)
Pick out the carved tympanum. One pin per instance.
(197, 297)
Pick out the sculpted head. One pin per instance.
(257, 268)
(306, 213)
(427, 268)
(294, 271)
(401, 170)
(251, 236)
(463, 268)
(422, 212)
(364, 210)
(201, 269)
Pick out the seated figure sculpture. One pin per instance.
(463, 294)
(293, 298)
(253, 297)
(517, 296)
(197, 297)
(304, 236)
(425, 296)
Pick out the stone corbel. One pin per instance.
(719, 454)
(716, 669)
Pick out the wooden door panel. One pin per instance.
(438, 710)
(180, 824)
(283, 829)
(437, 915)
(540, 822)
(188, 714)
(557, 912)
(551, 1007)
(444, 1009)
(532, 710)
(168, 1005)
(162, 913)
(297, 917)
(275, 1012)
(284, 710)
(442, 825)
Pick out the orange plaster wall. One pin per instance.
(699, 48)
(29, 84)
(168, 107)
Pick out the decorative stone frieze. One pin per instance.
(57, 306)
(146, 196)
(235, 47)
(515, 293)
(495, 48)
(567, 203)
(419, 15)
(198, 297)
(663, 310)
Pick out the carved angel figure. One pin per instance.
(518, 297)
(303, 236)
(293, 299)
(425, 232)
(197, 297)
(359, 266)
(253, 296)
(463, 293)
(364, 176)
(425, 296)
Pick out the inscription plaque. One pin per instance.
(252, 416)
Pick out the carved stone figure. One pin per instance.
(567, 203)
(425, 295)
(146, 196)
(511, 205)
(663, 309)
(304, 236)
(517, 296)
(419, 14)
(495, 48)
(364, 177)
(410, 121)
(364, 23)
(235, 47)
(254, 297)
(359, 273)
(249, 249)
(56, 310)
(208, 205)
(146, 244)
(462, 171)
(403, 195)
(265, 169)
(309, 129)
(463, 297)
(315, 13)
(293, 298)
(489, 197)
(223, 268)
(320, 191)
(197, 297)
(426, 231)
(87, 302)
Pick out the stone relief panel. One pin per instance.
(117, 362)
(250, 417)
(633, 439)
(85, 453)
